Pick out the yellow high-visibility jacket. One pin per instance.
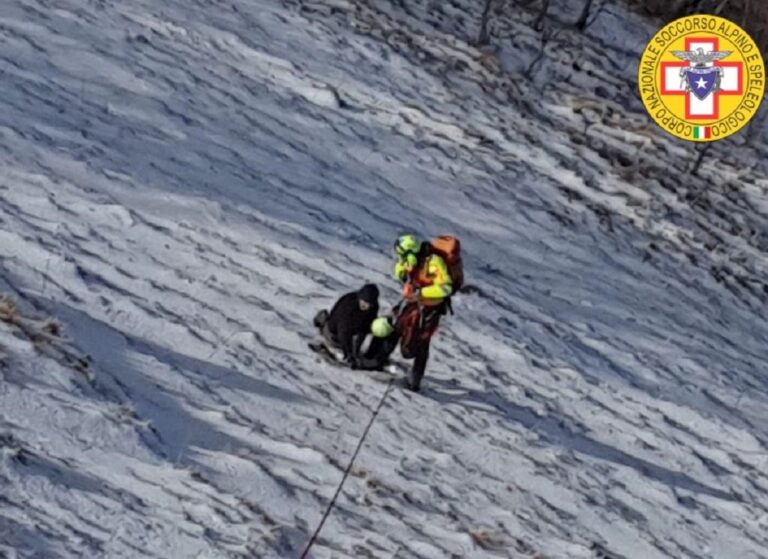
(430, 274)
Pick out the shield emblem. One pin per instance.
(701, 81)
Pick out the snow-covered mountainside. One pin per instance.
(184, 183)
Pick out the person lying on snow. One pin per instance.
(349, 322)
(430, 273)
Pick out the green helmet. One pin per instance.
(407, 244)
(382, 327)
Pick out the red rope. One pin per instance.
(328, 510)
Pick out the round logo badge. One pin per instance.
(701, 78)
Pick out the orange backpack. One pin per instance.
(449, 248)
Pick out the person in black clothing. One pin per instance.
(349, 322)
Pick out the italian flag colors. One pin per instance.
(701, 133)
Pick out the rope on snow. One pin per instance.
(332, 504)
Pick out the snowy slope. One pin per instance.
(183, 184)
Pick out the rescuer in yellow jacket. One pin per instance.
(427, 285)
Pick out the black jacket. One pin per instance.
(348, 324)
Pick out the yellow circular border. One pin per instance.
(754, 86)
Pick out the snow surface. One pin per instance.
(183, 184)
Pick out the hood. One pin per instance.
(369, 293)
